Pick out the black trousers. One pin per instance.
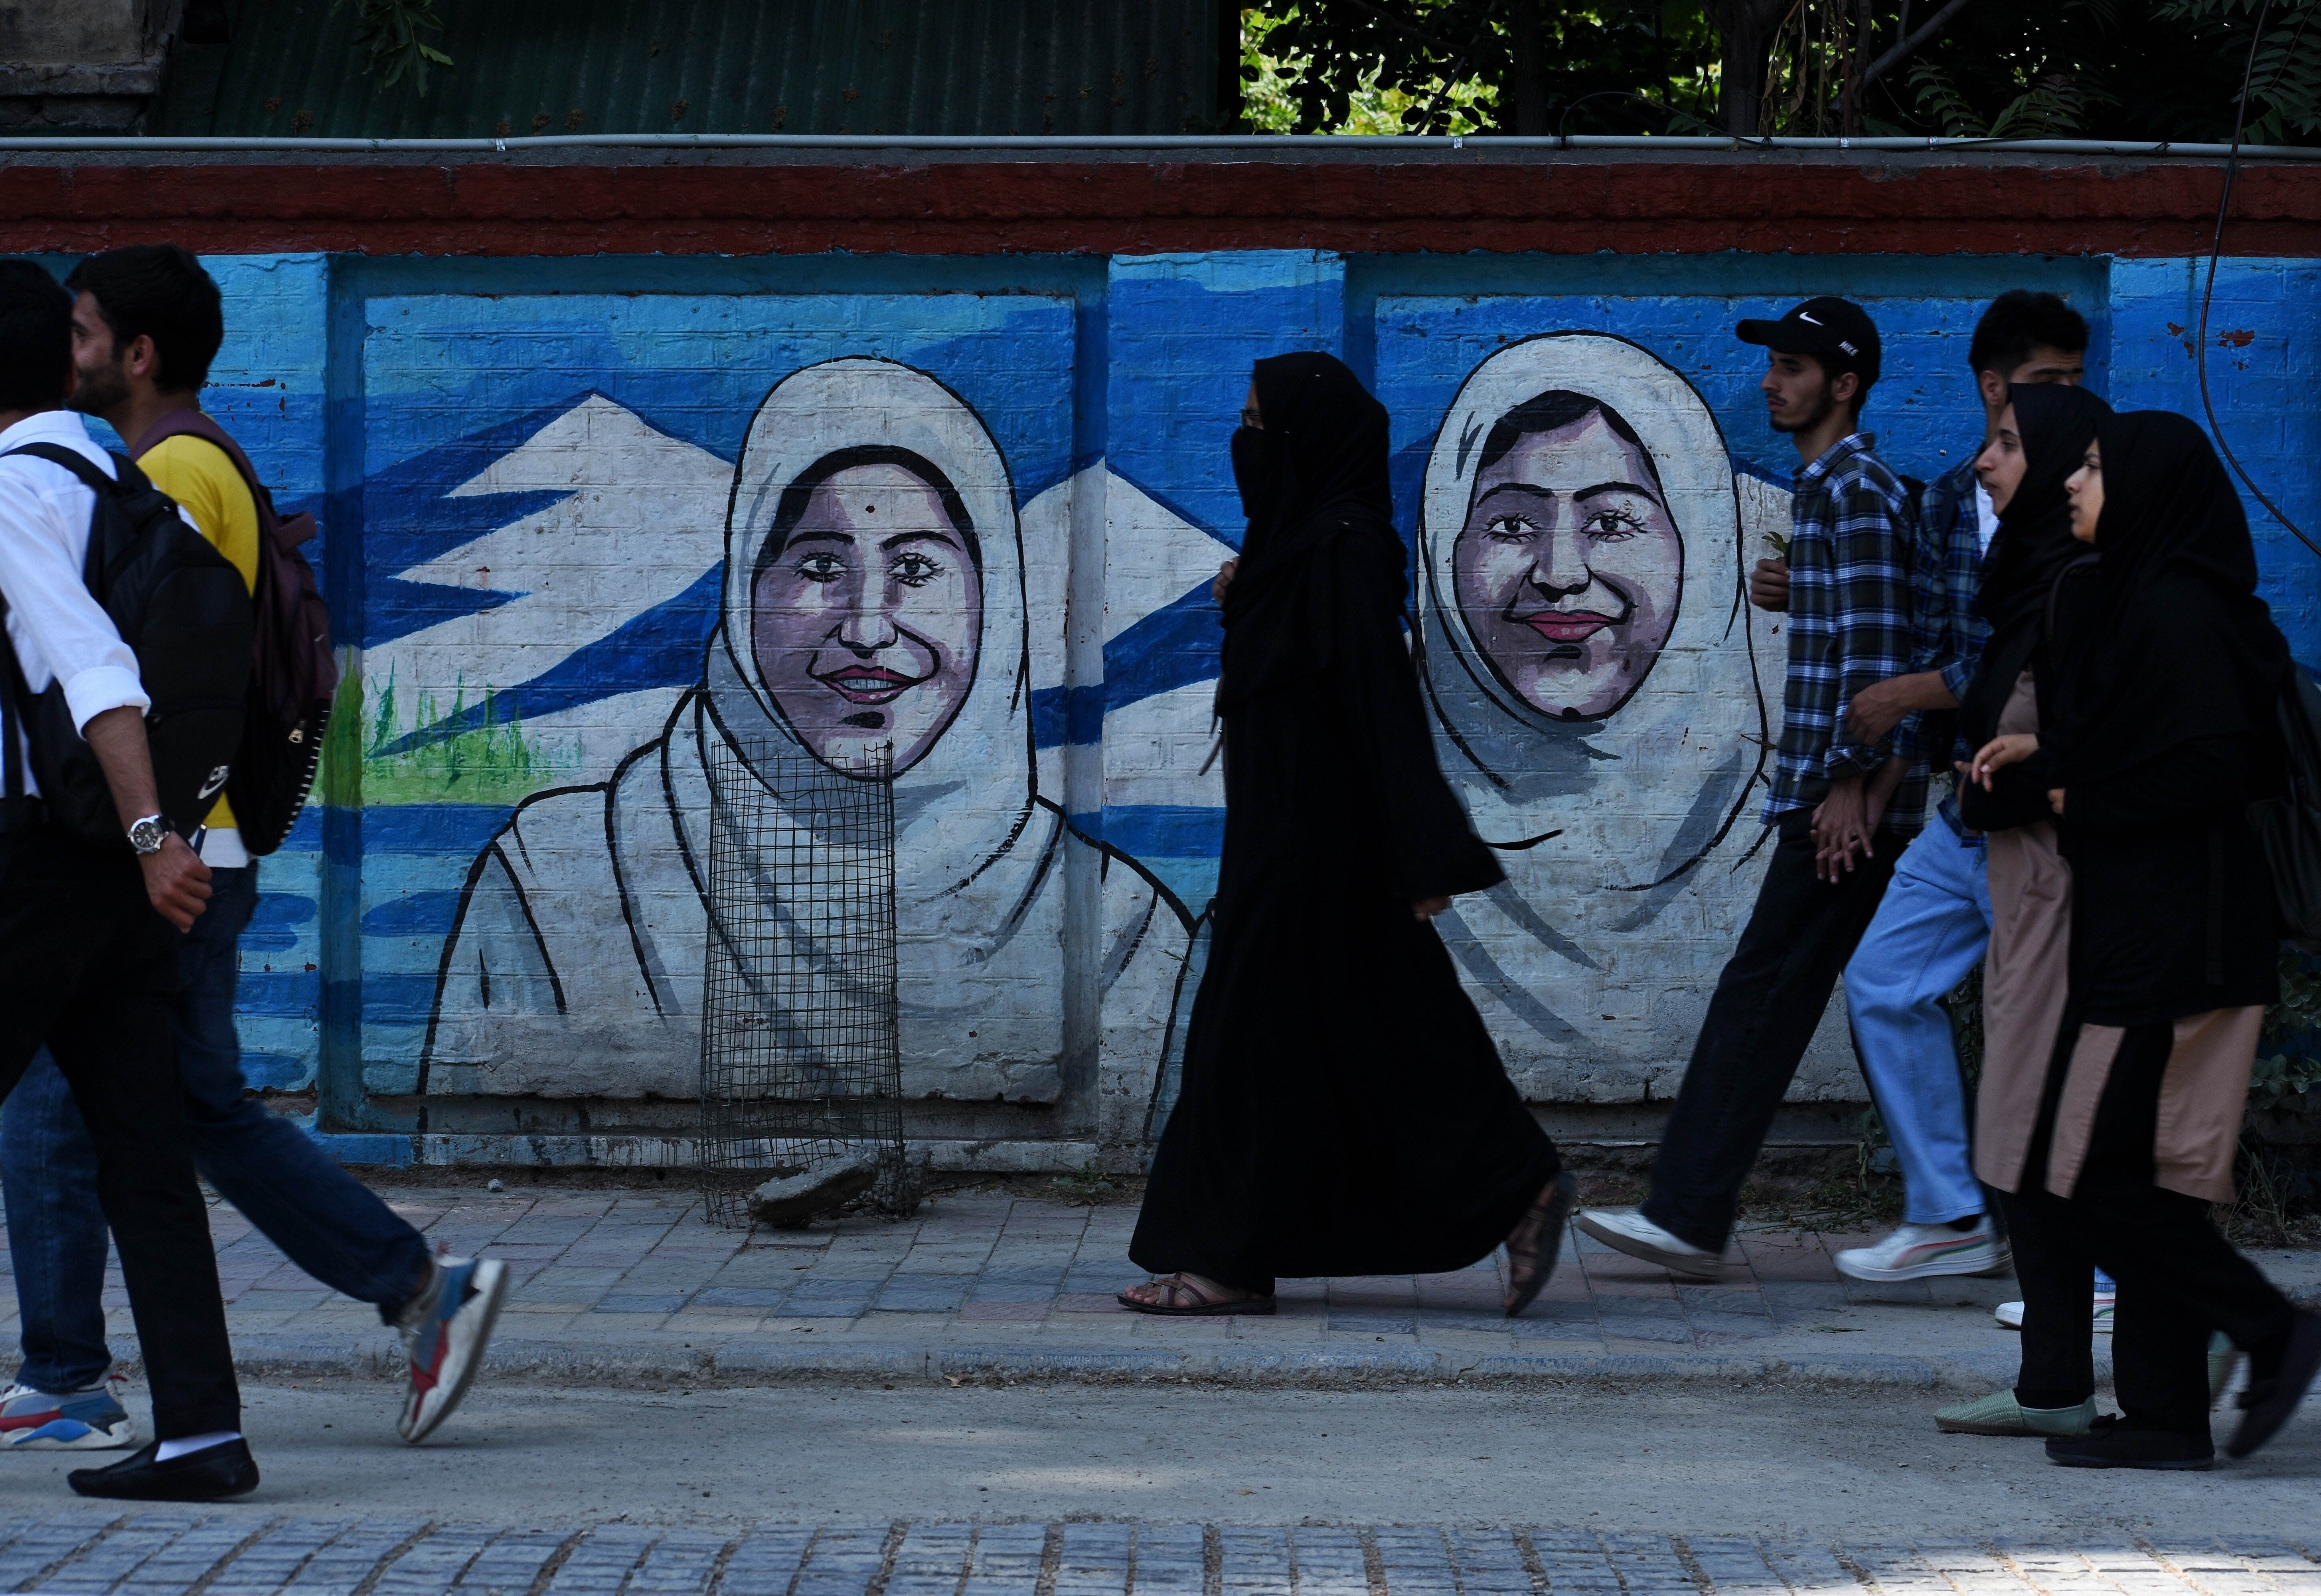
(1767, 1001)
(2178, 1278)
(87, 968)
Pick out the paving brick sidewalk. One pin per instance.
(250, 1553)
(979, 1285)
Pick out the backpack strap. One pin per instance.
(12, 796)
(73, 461)
(14, 692)
(15, 695)
(92, 561)
(196, 424)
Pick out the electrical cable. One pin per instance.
(2216, 252)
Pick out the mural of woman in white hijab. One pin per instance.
(873, 599)
(1588, 655)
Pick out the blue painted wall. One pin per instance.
(522, 469)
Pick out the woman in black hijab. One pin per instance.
(2171, 676)
(2025, 973)
(1344, 1110)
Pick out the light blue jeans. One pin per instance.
(1930, 929)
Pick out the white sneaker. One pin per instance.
(1628, 1231)
(2009, 1315)
(1915, 1252)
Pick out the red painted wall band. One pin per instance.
(486, 208)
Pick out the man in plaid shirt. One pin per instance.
(1934, 921)
(1842, 806)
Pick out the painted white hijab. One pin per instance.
(577, 965)
(1585, 971)
(973, 850)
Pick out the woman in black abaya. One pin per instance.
(2034, 588)
(2167, 730)
(1344, 1110)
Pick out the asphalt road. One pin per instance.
(1667, 1458)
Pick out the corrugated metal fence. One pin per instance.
(722, 66)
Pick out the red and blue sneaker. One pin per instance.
(445, 1330)
(90, 1420)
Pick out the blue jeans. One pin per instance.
(1931, 929)
(330, 1224)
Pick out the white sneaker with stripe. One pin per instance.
(1915, 1252)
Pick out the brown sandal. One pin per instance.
(1181, 1299)
(1528, 1268)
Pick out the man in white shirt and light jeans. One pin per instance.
(1934, 921)
(88, 935)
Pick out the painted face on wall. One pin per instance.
(1569, 568)
(868, 618)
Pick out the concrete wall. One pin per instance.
(548, 484)
(81, 64)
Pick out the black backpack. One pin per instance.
(292, 674)
(181, 608)
(2290, 825)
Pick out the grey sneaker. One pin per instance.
(450, 1324)
(1999, 1413)
(2224, 1358)
(2102, 1308)
(1627, 1230)
(88, 1420)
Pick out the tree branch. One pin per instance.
(1901, 52)
(1441, 46)
(1457, 66)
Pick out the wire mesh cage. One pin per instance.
(801, 1066)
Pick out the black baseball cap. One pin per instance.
(1838, 330)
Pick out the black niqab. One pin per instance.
(2178, 645)
(1344, 1110)
(2033, 545)
(1314, 484)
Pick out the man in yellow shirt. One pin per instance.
(146, 324)
(210, 494)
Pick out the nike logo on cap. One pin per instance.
(1804, 316)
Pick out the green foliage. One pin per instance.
(2288, 1069)
(2054, 107)
(1086, 1187)
(1965, 1007)
(2129, 69)
(1448, 65)
(388, 31)
(2285, 77)
(1274, 80)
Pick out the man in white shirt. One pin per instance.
(88, 946)
(1934, 921)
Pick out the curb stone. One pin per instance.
(737, 1362)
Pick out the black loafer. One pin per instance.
(2268, 1403)
(212, 1474)
(2112, 1444)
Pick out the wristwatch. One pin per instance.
(146, 836)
